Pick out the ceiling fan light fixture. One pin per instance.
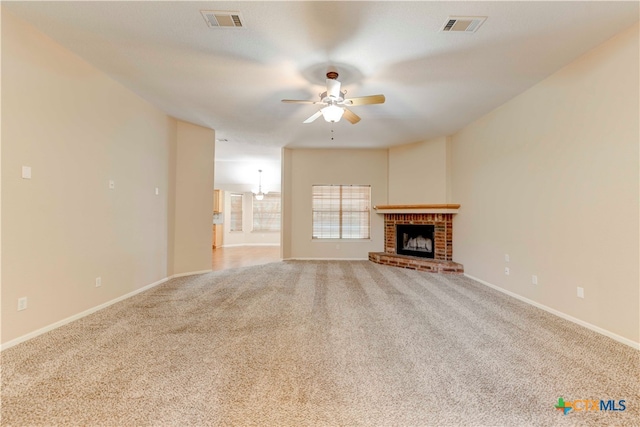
(334, 102)
(332, 113)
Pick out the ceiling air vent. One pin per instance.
(222, 19)
(463, 24)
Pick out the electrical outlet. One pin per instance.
(534, 280)
(580, 292)
(507, 271)
(98, 282)
(22, 303)
(506, 257)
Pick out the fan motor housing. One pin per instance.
(325, 98)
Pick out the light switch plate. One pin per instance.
(26, 172)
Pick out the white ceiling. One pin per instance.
(232, 80)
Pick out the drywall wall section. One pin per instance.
(304, 168)
(551, 179)
(195, 157)
(418, 173)
(65, 226)
(286, 203)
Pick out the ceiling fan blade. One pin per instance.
(351, 116)
(299, 101)
(333, 88)
(312, 118)
(365, 100)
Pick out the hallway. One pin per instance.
(243, 256)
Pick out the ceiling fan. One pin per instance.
(334, 102)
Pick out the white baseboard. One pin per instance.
(191, 273)
(238, 245)
(326, 259)
(92, 310)
(565, 316)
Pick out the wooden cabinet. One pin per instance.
(216, 229)
(217, 200)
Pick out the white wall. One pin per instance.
(77, 129)
(303, 168)
(194, 198)
(418, 173)
(551, 178)
(286, 203)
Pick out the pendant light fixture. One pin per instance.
(259, 195)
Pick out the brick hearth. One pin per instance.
(443, 243)
(416, 263)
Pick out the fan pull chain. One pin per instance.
(332, 134)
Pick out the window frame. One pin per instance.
(272, 212)
(231, 213)
(341, 213)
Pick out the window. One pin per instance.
(341, 211)
(235, 214)
(266, 213)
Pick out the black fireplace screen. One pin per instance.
(415, 240)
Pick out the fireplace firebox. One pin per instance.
(415, 240)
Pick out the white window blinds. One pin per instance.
(341, 211)
(235, 213)
(266, 213)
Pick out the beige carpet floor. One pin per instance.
(320, 344)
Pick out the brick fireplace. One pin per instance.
(436, 253)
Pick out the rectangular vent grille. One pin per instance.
(463, 24)
(222, 19)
